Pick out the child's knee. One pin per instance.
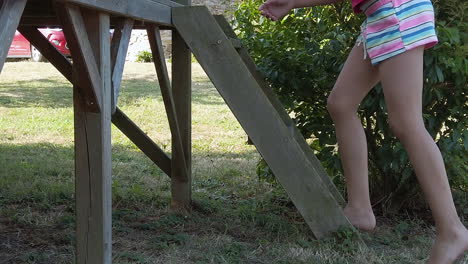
(338, 105)
(404, 126)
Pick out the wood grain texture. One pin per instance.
(154, 37)
(119, 48)
(182, 94)
(10, 14)
(153, 11)
(83, 54)
(274, 138)
(93, 149)
(244, 54)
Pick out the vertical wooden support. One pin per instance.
(182, 198)
(10, 14)
(92, 132)
(182, 94)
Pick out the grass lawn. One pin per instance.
(239, 219)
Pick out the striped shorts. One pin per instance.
(395, 26)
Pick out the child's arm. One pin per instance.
(309, 3)
(276, 9)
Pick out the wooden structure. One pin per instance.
(96, 75)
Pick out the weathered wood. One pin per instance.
(48, 50)
(236, 43)
(93, 146)
(153, 11)
(142, 141)
(244, 54)
(182, 93)
(274, 138)
(82, 53)
(10, 14)
(154, 37)
(41, 22)
(119, 48)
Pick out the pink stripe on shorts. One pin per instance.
(395, 26)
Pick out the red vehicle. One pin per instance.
(21, 48)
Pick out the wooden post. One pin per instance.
(10, 14)
(92, 132)
(181, 197)
(182, 94)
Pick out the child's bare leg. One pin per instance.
(355, 80)
(402, 80)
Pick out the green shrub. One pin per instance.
(144, 56)
(301, 57)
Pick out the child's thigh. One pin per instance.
(402, 83)
(356, 79)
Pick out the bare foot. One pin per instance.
(362, 219)
(449, 247)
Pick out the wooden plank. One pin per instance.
(182, 94)
(142, 141)
(236, 43)
(10, 14)
(41, 43)
(93, 149)
(274, 139)
(119, 48)
(82, 53)
(244, 54)
(153, 11)
(154, 37)
(41, 22)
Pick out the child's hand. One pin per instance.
(276, 9)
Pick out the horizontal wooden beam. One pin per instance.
(142, 141)
(154, 11)
(43, 22)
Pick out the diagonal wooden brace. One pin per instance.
(154, 37)
(82, 53)
(41, 43)
(244, 54)
(119, 48)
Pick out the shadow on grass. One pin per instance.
(44, 172)
(58, 94)
(37, 200)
